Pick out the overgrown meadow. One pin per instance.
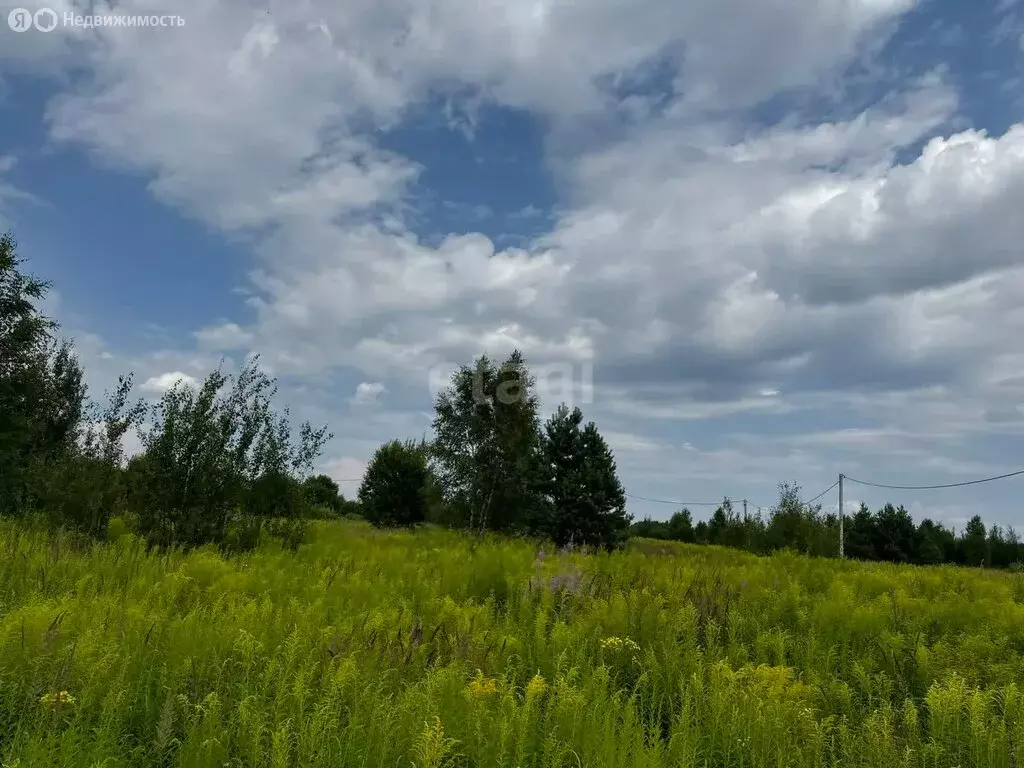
(428, 649)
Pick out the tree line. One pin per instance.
(888, 534)
(219, 465)
(493, 466)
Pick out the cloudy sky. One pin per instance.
(755, 241)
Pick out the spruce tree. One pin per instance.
(974, 543)
(587, 504)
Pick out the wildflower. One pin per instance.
(482, 687)
(57, 700)
(432, 747)
(621, 650)
(617, 644)
(536, 688)
(570, 581)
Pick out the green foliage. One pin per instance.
(275, 493)
(497, 470)
(350, 508)
(894, 534)
(975, 545)
(395, 486)
(680, 527)
(795, 526)
(290, 531)
(321, 490)
(586, 503)
(83, 488)
(888, 535)
(486, 446)
(42, 394)
(428, 648)
(213, 454)
(117, 527)
(859, 534)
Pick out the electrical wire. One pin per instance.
(812, 500)
(677, 503)
(930, 487)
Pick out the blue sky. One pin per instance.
(754, 244)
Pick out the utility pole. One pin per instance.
(841, 553)
(744, 510)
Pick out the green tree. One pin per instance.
(859, 534)
(726, 528)
(928, 551)
(586, 502)
(894, 535)
(42, 394)
(1002, 546)
(84, 487)
(700, 532)
(790, 521)
(275, 494)
(350, 508)
(395, 487)
(210, 452)
(322, 491)
(486, 446)
(974, 543)
(680, 526)
(648, 528)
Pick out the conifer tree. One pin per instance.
(587, 504)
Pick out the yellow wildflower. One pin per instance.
(57, 700)
(482, 687)
(536, 688)
(620, 644)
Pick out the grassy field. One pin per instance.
(425, 649)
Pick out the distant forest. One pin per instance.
(889, 534)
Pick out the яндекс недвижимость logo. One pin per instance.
(22, 19)
(46, 20)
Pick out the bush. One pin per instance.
(81, 490)
(394, 489)
(242, 533)
(212, 455)
(322, 491)
(117, 528)
(290, 531)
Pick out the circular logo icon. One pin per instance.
(20, 20)
(45, 19)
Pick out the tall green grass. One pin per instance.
(429, 649)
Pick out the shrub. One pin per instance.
(322, 491)
(81, 489)
(290, 531)
(117, 527)
(394, 489)
(211, 454)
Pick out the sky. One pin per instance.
(754, 242)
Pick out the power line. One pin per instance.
(811, 501)
(818, 496)
(676, 503)
(930, 487)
